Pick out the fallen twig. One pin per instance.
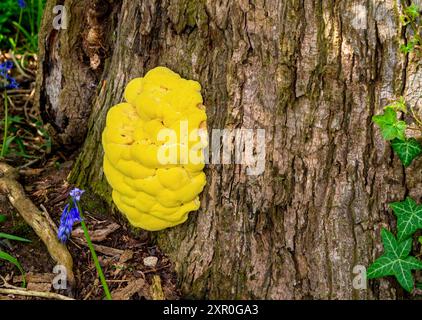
(94, 286)
(134, 286)
(23, 292)
(97, 235)
(111, 252)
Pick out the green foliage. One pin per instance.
(410, 17)
(409, 217)
(407, 150)
(411, 12)
(9, 11)
(7, 257)
(391, 127)
(12, 142)
(12, 237)
(20, 27)
(398, 105)
(395, 261)
(409, 46)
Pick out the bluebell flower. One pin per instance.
(76, 194)
(70, 215)
(6, 66)
(10, 82)
(22, 4)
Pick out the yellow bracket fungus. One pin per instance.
(153, 147)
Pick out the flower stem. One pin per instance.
(94, 255)
(17, 32)
(6, 123)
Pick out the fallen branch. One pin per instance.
(111, 252)
(39, 294)
(134, 286)
(35, 218)
(97, 235)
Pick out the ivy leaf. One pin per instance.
(410, 46)
(409, 217)
(412, 11)
(395, 261)
(391, 127)
(407, 150)
(406, 48)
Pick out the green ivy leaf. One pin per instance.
(391, 127)
(412, 11)
(409, 217)
(410, 46)
(395, 261)
(407, 150)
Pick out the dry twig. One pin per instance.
(39, 294)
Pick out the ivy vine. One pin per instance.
(397, 259)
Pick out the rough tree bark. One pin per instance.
(310, 72)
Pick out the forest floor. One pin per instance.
(43, 174)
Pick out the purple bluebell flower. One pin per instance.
(21, 4)
(76, 194)
(10, 82)
(6, 66)
(69, 217)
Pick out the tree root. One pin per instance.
(35, 218)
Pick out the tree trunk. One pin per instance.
(311, 73)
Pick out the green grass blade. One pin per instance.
(40, 8)
(12, 237)
(21, 29)
(13, 260)
(2, 218)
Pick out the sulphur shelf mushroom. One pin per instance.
(154, 149)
